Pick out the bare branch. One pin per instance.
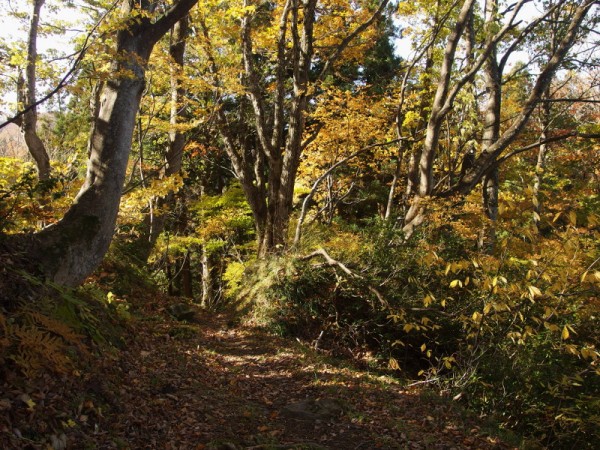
(487, 160)
(558, 138)
(335, 263)
(66, 78)
(322, 177)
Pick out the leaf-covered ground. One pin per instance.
(208, 384)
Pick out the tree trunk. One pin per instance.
(187, 288)
(29, 123)
(540, 166)
(441, 106)
(208, 298)
(491, 131)
(154, 224)
(70, 250)
(545, 121)
(267, 168)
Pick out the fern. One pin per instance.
(39, 349)
(35, 342)
(60, 329)
(43, 336)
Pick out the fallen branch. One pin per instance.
(335, 263)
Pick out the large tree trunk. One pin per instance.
(29, 123)
(70, 250)
(281, 154)
(267, 168)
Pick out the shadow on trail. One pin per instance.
(205, 385)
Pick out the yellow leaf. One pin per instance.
(455, 283)
(530, 274)
(589, 353)
(423, 347)
(25, 398)
(572, 349)
(591, 277)
(534, 292)
(393, 364)
(573, 218)
(565, 333)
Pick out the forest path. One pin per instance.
(205, 385)
(209, 385)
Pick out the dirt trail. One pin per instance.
(206, 385)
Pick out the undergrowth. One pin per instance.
(509, 333)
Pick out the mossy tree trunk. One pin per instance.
(68, 251)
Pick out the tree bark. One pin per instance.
(491, 132)
(441, 105)
(545, 122)
(29, 123)
(209, 279)
(540, 165)
(68, 251)
(187, 288)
